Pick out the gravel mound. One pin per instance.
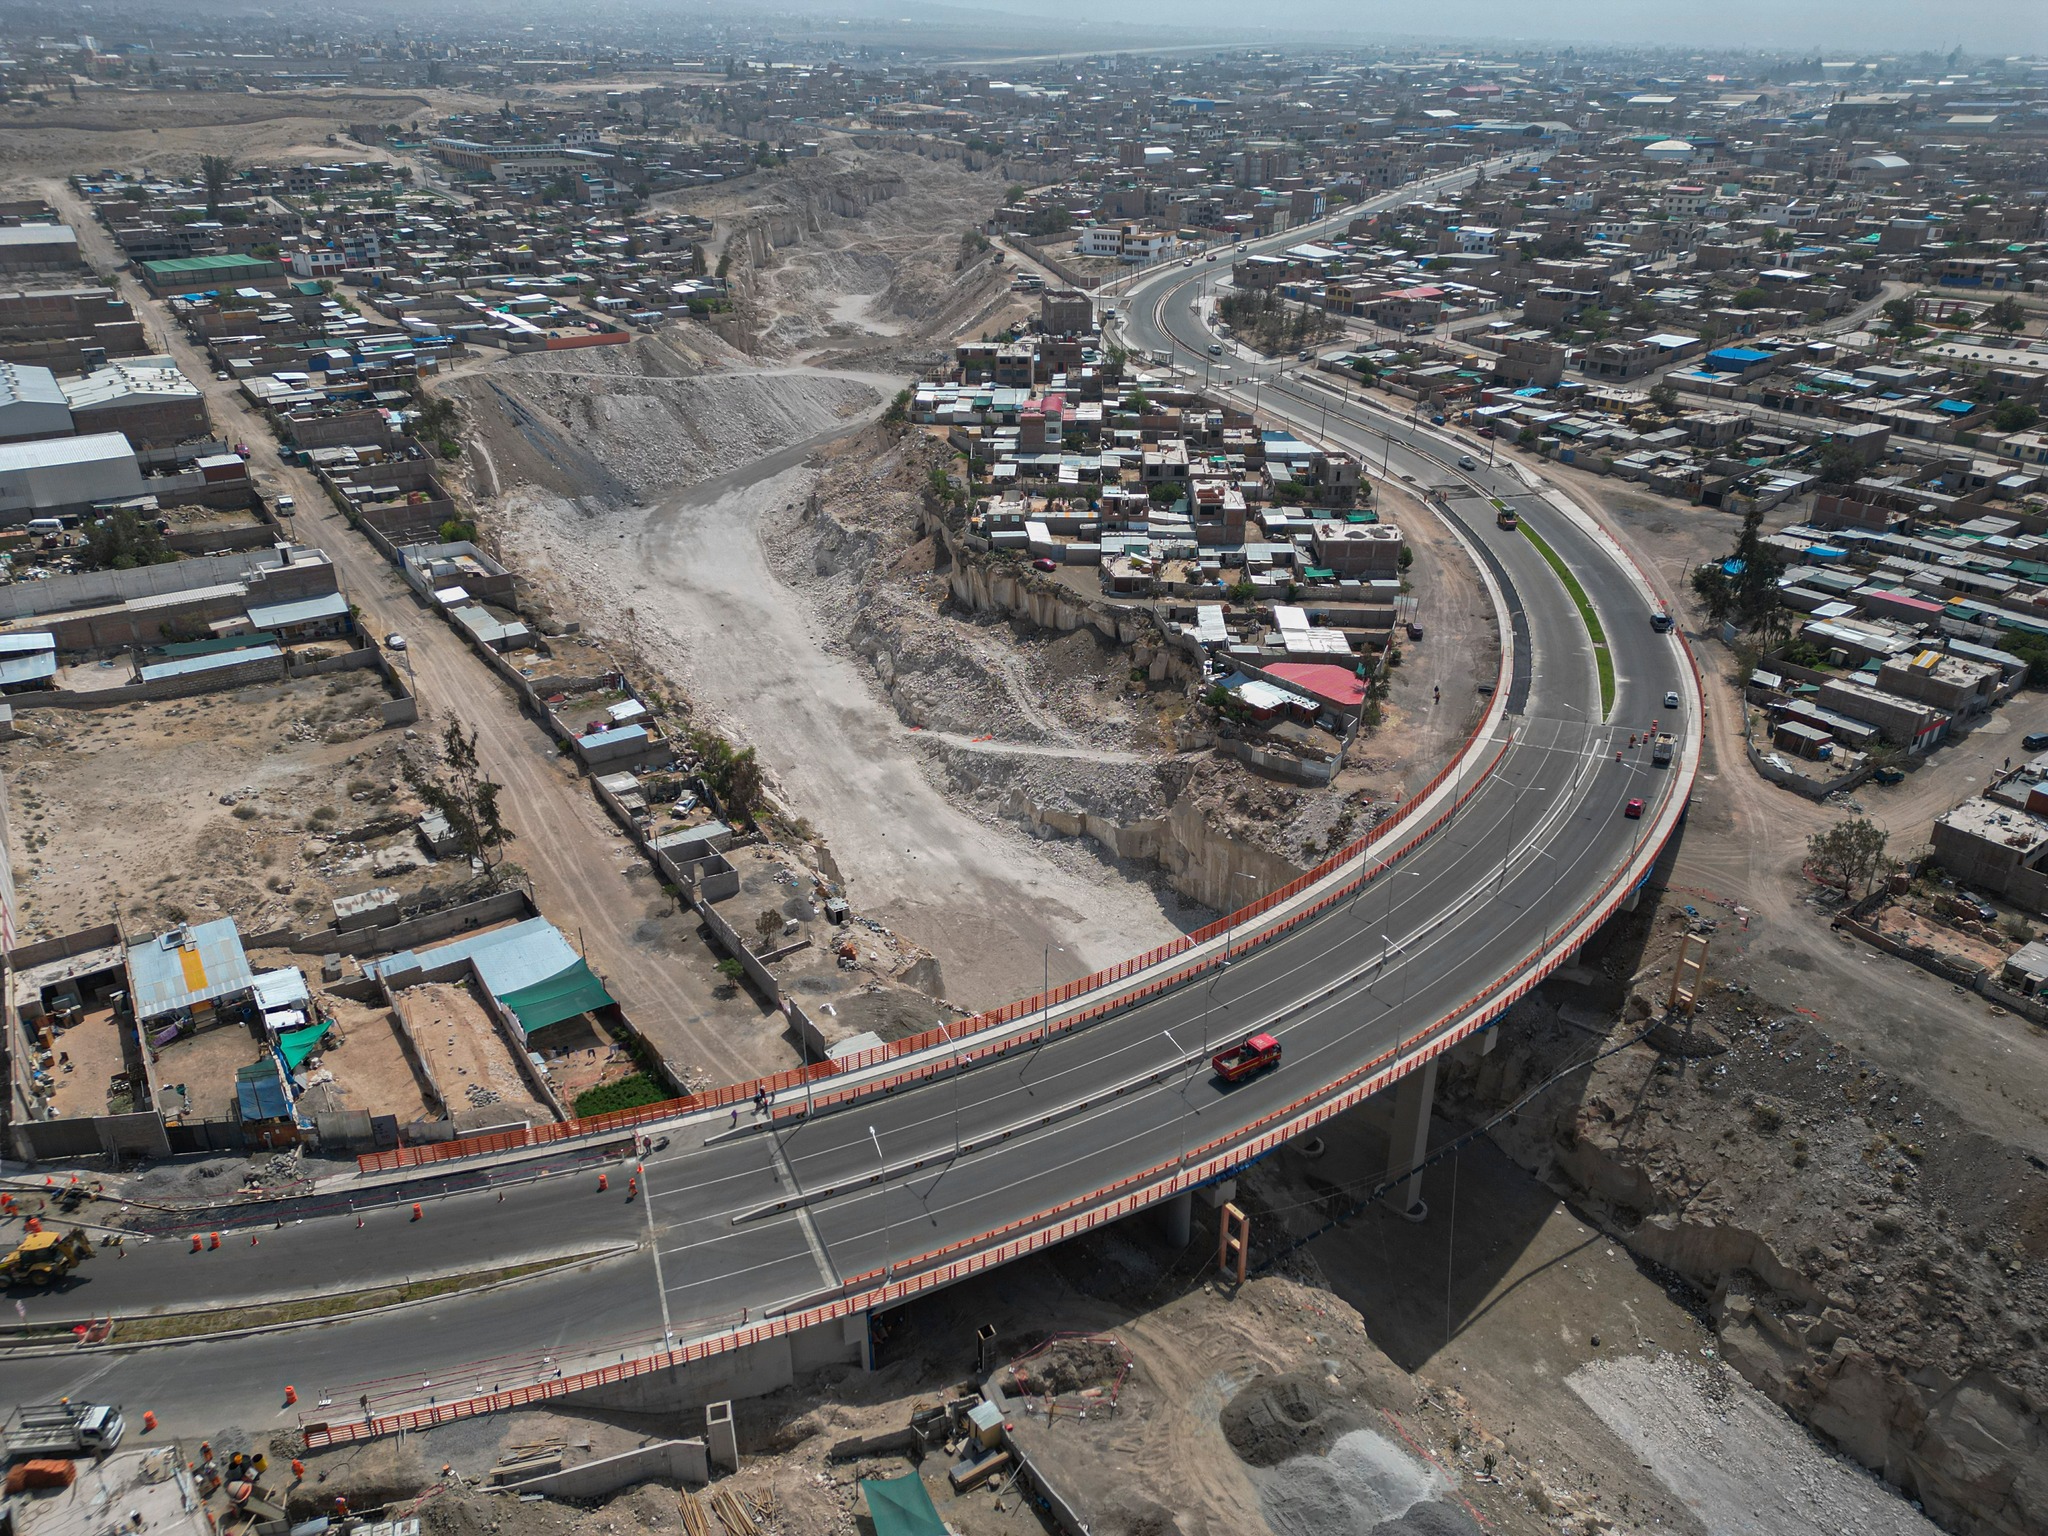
(1429, 1519)
(1365, 1483)
(1277, 1418)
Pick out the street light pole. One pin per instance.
(888, 1223)
(956, 1085)
(1045, 986)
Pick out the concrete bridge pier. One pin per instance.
(1177, 1214)
(1408, 1140)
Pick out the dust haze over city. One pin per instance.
(583, 591)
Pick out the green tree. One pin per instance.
(1166, 492)
(1850, 855)
(1903, 314)
(732, 775)
(215, 172)
(1664, 396)
(2014, 416)
(123, 540)
(2008, 314)
(1839, 462)
(467, 799)
(1751, 298)
(1743, 589)
(2033, 650)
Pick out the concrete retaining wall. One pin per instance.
(675, 1461)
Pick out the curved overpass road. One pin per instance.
(748, 1223)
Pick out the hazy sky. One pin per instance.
(1847, 27)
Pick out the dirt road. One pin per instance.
(1745, 840)
(584, 873)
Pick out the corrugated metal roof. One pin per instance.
(304, 611)
(507, 958)
(204, 961)
(186, 666)
(32, 668)
(56, 452)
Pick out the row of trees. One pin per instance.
(1271, 324)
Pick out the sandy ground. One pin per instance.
(369, 1070)
(292, 756)
(1727, 1455)
(467, 1058)
(710, 612)
(95, 1058)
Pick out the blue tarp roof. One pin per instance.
(262, 1100)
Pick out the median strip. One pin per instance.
(1601, 656)
(164, 1327)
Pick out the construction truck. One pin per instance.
(45, 1257)
(1660, 749)
(63, 1429)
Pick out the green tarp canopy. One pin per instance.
(899, 1506)
(562, 996)
(295, 1045)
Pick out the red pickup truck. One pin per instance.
(1254, 1054)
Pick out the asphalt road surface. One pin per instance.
(1539, 835)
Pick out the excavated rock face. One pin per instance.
(1871, 1262)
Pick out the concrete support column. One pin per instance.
(860, 1330)
(721, 1439)
(1414, 1097)
(1178, 1214)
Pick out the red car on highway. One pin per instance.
(1633, 810)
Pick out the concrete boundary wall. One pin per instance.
(675, 1461)
(88, 589)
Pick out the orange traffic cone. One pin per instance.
(298, 1470)
(252, 1239)
(213, 1239)
(148, 1421)
(196, 1244)
(417, 1213)
(603, 1183)
(291, 1395)
(632, 1188)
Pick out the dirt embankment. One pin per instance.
(1870, 1260)
(1042, 705)
(855, 251)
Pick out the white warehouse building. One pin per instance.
(65, 474)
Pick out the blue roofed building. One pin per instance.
(193, 973)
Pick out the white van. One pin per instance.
(46, 525)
